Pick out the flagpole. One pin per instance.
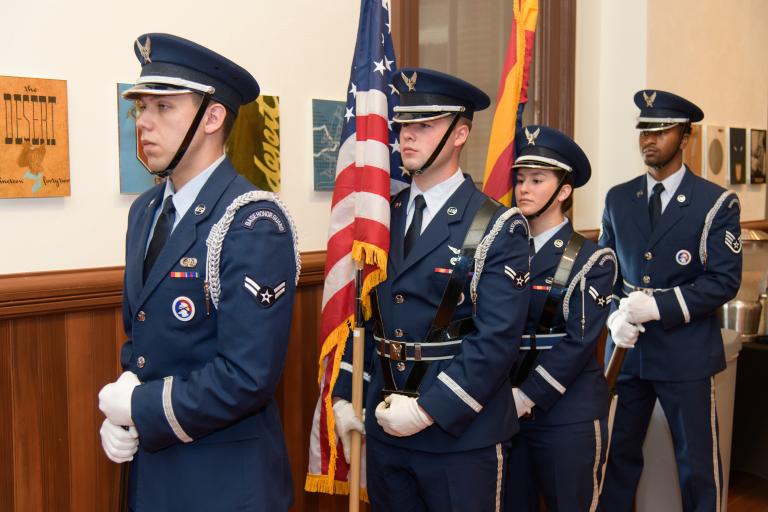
(358, 336)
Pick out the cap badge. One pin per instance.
(681, 198)
(145, 49)
(649, 99)
(200, 209)
(532, 136)
(409, 82)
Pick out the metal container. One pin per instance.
(762, 329)
(741, 316)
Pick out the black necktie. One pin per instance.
(414, 230)
(160, 236)
(654, 206)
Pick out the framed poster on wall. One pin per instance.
(34, 148)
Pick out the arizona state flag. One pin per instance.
(513, 95)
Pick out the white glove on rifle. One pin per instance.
(523, 404)
(402, 416)
(623, 332)
(346, 422)
(119, 444)
(115, 399)
(640, 308)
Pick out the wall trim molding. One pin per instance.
(60, 291)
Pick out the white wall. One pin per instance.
(296, 49)
(714, 53)
(610, 68)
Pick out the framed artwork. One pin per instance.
(254, 144)
(757, 156)
(692, 151)
(327, 123)
(134, 175)
(737, 151)
(34, 148)
(716, 155)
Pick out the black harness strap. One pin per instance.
(551, 305)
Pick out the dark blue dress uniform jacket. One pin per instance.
(468, 396)
(567, 383)
(692, 258)
(209, 431)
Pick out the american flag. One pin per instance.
(359, 227)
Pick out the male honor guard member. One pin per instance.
(677, 239)
(446, 322)
(211, 270)
(559, 387)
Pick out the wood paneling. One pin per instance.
(60, 335)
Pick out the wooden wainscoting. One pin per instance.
(60, 335)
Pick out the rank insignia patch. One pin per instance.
(600, 300)
(732, 242)
(518, 278)
(264, 295)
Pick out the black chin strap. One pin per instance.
(187, 139)
(551, 200)
(439, 147)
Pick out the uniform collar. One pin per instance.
(670, 183)
(542, 238)
(183, 199)
(436, 196)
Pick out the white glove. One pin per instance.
(119, 444)
(623, 332)
(640, 308)
(115, 399)
(401, 416)
(346, 422)
(523, 404)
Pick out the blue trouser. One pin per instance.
(562, 463)
(690, 410)
(401, 480)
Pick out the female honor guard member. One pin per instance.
(677, 239)
(559, 387)
(447, 320)
(211, 269)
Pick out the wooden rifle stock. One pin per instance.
(613, 369)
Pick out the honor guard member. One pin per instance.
(210, 275)
(446, 322)
(559, 388)
(677, 239)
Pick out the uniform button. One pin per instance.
(399, 333)
(399, 299)
(141, 316)
(646, 279)
(401, 366)
(648, 256)
(140, 362)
